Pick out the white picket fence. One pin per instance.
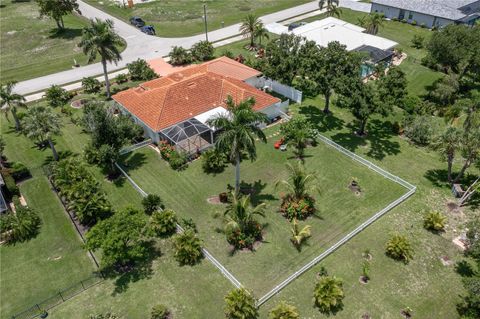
(277, 87)
(133, 147)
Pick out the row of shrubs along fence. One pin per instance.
(59, 297)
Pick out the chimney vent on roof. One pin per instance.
(192, 85)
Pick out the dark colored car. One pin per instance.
(295, 25)
(148, 29)
(137, 21)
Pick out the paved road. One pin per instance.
(140, 45)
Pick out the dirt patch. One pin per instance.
(453, 207)
(363, 280)
(12, 32)
(214, 200)
(355, 189)
(78, 104)
(460, 242)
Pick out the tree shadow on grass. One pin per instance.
(439, 178)
(61, 156)
(142, 269)
(323, 122)
(255, 191)
(67, 33)
(464, 268)
(133, 161)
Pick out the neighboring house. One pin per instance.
(3, 202)
(352, 36)
(431, 13)
(176, 107)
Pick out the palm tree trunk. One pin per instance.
(107, 83)
(237, 173)
(363, 124)
(54, 151)
(252, 37)
(462, 171)
(326, 109)
(17, 121)
(449, 170)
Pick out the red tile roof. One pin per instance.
(182, 95)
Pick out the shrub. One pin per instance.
(252, 233)
(240, 304)
(20, 171)
(284, 311)
(228, 54)
(423, 25)
(19, 226)
(328, 294)
(418, 41)
(160, 312)
(434, 221)
(121, 78)
(163, 223)
(166, 150)
(57, 96)
(179, 56)
(189, 224)
(178, 160)
(399, 248)
(414, 22)
(10, 185)
(140, 70)
(404, 20)
(419, 130)
(188, 248)
(91, 85)
(298, 209)
(151, 203)
(202, 51)
(214, 161)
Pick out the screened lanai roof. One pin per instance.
(185, 130)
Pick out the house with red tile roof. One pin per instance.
(176, 107)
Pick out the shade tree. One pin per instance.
(57, 9)
(298, 132)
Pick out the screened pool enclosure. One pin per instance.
(190, 136)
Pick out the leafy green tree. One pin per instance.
(57, 9)
(249, 27)
(392, 87)
(282, 57)
(299, 236)
(214, 161)
(57, 96)
(331, 6)
(91, 85)
(298, 132)
(434, 221)
(163, 223)
(20, 226)
(140, 70)
(242, 229)
(180, 56)
(160, 312)
(238, 131)
(398, 247)
(203, 51)
(328, 294)
(100, 39)
(284, 311)
(120, 238)
(151, 203)
(188, 248)
(41, 123)
(420, 129)
(470, 150)
(240, 304)
(10, 101)
(372, 22)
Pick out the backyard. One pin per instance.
(32, 46)
(180, 18)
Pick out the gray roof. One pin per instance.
(449, 9)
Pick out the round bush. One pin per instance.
(299, 209)
(188, 248)
(160, 312)
(399, 248)
(252, 233)
(434, 221)
(163, 223)
(213, 161)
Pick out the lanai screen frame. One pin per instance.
(187, 135)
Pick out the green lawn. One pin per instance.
(340, 210)
(178, 18)
(31, 46)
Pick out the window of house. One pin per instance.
(410, 16)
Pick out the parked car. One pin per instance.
(295, 25)
(137, 21)
(148, 29)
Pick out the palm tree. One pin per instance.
(261, 32)
(240, 214)
(299, 182)
(10, 101)
(372, 22)
(331, 6)
(448, 144)
(101, 39)
(328, 294)
(240, 304)
(188, 248)
(299, 235)
(249, 27)
(42, 123)
(238, 131)
(284, 311)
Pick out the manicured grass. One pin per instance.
(32, 47)
(36, 270)
(177, 18)
(340, 210)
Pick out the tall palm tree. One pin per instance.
(42, 123)
(240, 214)
(101, 39)
(238, 130)
(10, 101)
(372, 22)
(331, 6)
(448, 144)
(249, 27)
(299, 183)
(261, 32)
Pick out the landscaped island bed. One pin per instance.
(339, 209)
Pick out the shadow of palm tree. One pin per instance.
(132, 161)
(255, 191)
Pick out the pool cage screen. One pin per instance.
(190, 136)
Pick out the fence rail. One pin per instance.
(60, 297)
(133, 147)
